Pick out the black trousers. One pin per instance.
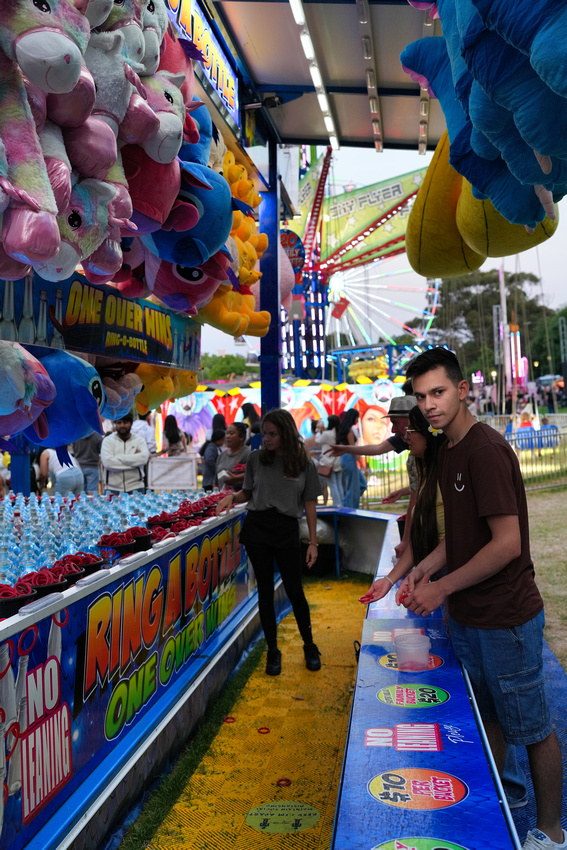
(271, 537)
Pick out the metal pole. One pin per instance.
(271, 344)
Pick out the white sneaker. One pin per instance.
(538, 840)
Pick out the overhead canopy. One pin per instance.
(269, 43)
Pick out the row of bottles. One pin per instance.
(26, 331)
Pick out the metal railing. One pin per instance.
(542, 455)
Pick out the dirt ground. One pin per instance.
(548, 527)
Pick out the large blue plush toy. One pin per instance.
(484, 75)
(74, 413)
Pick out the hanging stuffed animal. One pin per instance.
(74, 413)
(26, 390)
(157, 386)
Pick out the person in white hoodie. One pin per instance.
(124, 456)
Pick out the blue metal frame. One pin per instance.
(271, 345)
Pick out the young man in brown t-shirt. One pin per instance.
(495, 609)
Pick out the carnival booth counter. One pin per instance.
(99, 682)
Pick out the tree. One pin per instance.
(464, 319)
(217, 368)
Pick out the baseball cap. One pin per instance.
(400, 406)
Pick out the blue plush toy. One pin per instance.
(74, 413)
(428, 62)
(538, 29)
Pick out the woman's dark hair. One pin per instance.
(218, 434)
(295, 455)
(424, 534)
(349, 419)
(333, 423)
(218, 423)
(171, 430)
(249, 412)
(241, 428)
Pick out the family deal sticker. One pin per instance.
(390, 661)
(413, 696)
(417, 788)
(282, 817)
(415, 843)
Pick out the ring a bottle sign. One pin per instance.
(294, 248)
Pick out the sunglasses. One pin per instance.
(411, 431)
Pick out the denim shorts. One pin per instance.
(506, 671)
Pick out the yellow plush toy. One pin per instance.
(222, 312)
(488, 232)
(434, 245)
(184, 383)
(450, 232)
(158, 386)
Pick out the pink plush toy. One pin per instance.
(126, 18)
(25, 390)
(85, 225)
(47, 40)
(186, 289)
(165, 99)
(29, 226)
(155, 22)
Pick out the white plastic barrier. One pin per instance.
(172, 473)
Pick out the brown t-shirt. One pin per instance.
(480, 477)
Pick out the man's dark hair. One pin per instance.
(431, 359)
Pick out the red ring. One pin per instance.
(12, 647)
(21, 650)
(263, 730)
(229, 719)
(63, 622)
(13, 729)
(3, 715)
(283, 783)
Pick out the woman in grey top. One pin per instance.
(280, 482)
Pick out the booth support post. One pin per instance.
(271, 344)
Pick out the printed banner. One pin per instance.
(75, 315)
(191, 22)
(317, 401)
(348, 216)
(74, 683)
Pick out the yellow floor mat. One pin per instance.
(271, 777)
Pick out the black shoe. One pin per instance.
(274, 662)
(312, 659)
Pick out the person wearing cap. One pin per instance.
(398, 413)
(124, 456)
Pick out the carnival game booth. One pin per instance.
(103, 682)
(418, 772)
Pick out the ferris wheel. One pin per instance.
(371, 305)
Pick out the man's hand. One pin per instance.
(377, 590)
(425, 598)
(415, 577)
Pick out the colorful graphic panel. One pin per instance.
(74, 684)
(415, 775)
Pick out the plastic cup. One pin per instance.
(412, 651)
